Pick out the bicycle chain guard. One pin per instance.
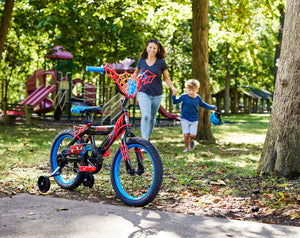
(91, 161)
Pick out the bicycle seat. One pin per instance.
(85, 109)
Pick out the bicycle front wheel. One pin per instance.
(140, 184)
(68, 175)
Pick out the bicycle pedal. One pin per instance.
(87, 169)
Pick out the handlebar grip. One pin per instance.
(95, 69)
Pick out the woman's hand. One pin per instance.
(174, 90)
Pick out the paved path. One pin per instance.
(45, 217)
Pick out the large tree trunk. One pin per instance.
(200, 64)
(281, 152)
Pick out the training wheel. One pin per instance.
(88, 180)
(44, 183)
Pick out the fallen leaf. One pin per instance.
(193, 189)
(218, 182)
(203, 166)
(217, 200)
(283, 185)
(62, 209)
(184, 193)
(222, 205)
(283, 195)
(293, 214)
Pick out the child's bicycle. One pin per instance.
(136, 169)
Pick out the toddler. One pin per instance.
(189, 111)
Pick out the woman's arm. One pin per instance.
(169, 82)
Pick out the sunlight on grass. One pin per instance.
(237, 149)
(237, 129)
(237, 138)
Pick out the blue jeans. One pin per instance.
(149, 106)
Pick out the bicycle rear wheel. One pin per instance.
(68, 176)
(141, 186)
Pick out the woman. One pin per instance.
(150, 95)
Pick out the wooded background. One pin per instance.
(243, 37)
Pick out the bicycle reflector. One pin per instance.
(216, 118)
(132, 88)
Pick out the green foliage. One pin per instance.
(251, 29)
(96, 32)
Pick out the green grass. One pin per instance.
(225, 169)
(237, 148)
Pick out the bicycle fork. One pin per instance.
(139, 156)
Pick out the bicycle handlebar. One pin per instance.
(95, 69)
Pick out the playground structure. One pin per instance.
(38, 92)
(56, 94)
(54, 90)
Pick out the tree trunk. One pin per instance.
(278, 46)
(4, 25)
(200, 64)
(227, 82)
(235, 100)
(5, 21)
(171, 72)
(281, 152)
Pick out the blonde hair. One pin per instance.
(192, 83)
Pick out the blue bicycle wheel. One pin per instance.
(138, 184)
(68, 176)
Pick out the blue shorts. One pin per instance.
(189, 127)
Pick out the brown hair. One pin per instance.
(161, 54)
(193, 83)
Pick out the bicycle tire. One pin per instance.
(137, 190)
(69, 176)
